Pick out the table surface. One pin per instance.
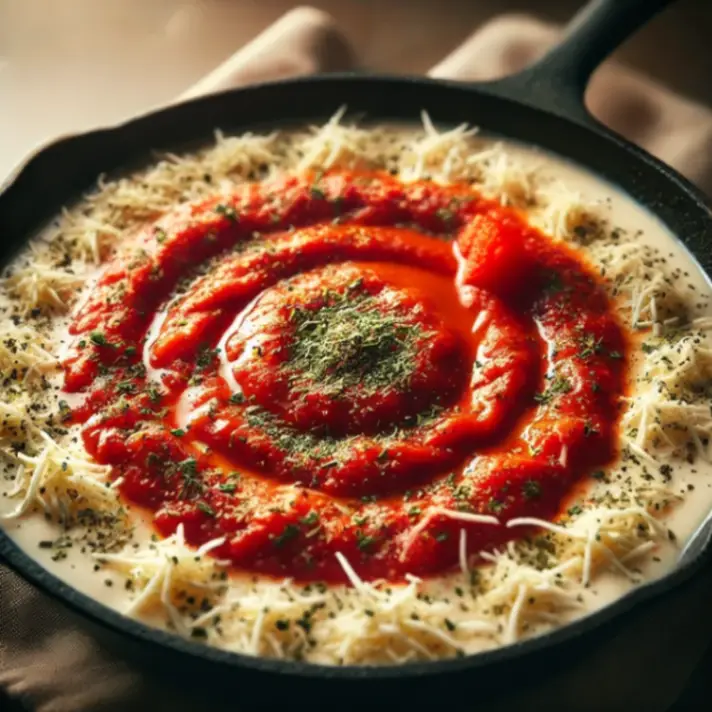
(72, 65)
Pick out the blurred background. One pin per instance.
(66, 65)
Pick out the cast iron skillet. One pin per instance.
(542, 106)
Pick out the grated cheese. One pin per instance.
(566, 214)
(637, 278)
(520, 591)
(462, 553)
(505, 178)
(38, 284)
(23, 349)
(18, 423)
(433, 512)
(60, 480)
(670, 412)
(440, 155)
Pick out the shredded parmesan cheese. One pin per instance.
(39, 285)
(23, 349)
(61, 480)
(495, 598)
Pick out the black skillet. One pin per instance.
(542, 106)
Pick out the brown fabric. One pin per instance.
(304, 41)
(57, 662)
(674, 129)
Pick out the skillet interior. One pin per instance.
(56, 176)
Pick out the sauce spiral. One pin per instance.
(345, 363)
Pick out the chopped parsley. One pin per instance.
(558, 386)
(531, 489)
(288, 533)
(205, 508)
(363, 541)
(311, 518)
(226, 211)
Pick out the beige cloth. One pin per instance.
(57, 662)
(676, 130)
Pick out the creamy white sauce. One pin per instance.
(107, 585)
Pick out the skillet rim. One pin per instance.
(699, 544)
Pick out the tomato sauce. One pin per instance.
(346, 363)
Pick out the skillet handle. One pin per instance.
(557, 82)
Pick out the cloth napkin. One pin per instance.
(52, 660)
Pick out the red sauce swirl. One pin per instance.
(351, 364)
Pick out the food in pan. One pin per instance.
(355, 395)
